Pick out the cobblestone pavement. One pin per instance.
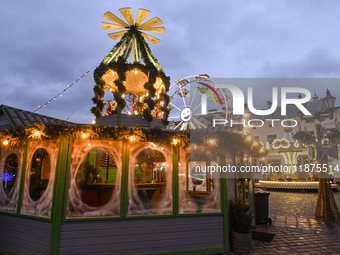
(295, 203)
(298, 235)
(291, 242)
(295, 229)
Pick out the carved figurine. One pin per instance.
(109, 108)
(156, 112)
(133, 106)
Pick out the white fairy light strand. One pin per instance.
(79, 105)
(60, 94)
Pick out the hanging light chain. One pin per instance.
(65, 90)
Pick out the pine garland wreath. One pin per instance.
(304, 137)
(333, 135)
(233, 141)
(236, 141)
(58, 131)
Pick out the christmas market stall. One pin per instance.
(126, 184)
(93, 189)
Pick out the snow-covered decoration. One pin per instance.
(9, 199)
(5, 177)
(76, 205)
(41, 207)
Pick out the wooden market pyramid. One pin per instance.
(140, 76)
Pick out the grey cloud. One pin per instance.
(318, 62)
(45, 45)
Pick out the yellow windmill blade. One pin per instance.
(117, 35)
(127, 14)
(141, 15)
(150, 38)
(109, 26)
(159, 30)
(151, 23)
(114, 18)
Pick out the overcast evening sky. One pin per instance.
(46, 45)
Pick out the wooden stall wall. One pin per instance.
(142, 236)
(231, 181)
(231, 189)
(201, 234)
(24, 235)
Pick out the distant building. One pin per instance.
(270, 128)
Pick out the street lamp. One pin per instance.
(329, 103)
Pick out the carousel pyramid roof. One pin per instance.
(132, 44)
(140, 76)
(132, 41)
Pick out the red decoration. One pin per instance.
(109, 108)
(133, 106)
(156, 111)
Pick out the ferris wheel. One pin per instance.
(193, 97)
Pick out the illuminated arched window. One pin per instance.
(39, 174)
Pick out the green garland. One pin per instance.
(236, 141)
(303, 137)
(333, 135)
(57, 131)
(233, 141)
(118, 64)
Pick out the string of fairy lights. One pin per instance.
(68, 118)
(65, 90)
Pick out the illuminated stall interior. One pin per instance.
(112, 175)
(150, 188)
(199, 189)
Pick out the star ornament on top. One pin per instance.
(130, 25)
(6, 176)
